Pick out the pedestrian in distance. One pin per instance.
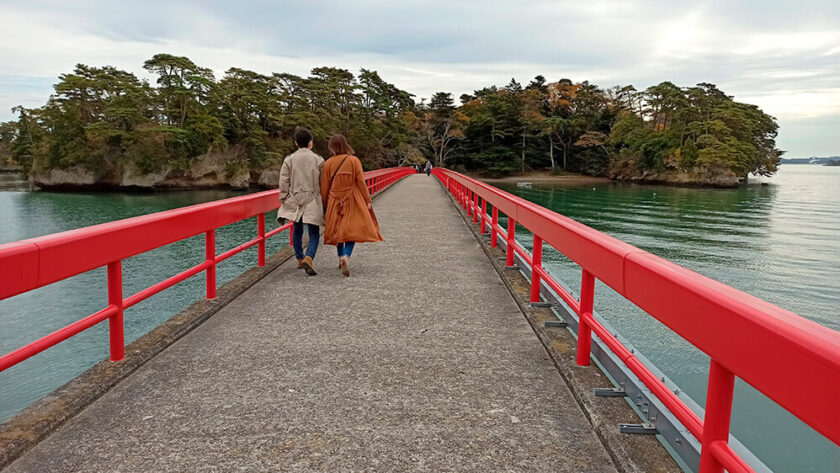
(428, 168)
(347, 203)
(300, 198)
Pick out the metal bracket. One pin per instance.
(643, 429)
(513, 268)
(555, 324)
(540, 304)
(610, 392)
(501, 258)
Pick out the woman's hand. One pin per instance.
(369, 206)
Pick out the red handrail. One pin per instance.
(791, 360)
(30, 264)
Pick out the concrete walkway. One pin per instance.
(420, 360)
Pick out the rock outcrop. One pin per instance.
(211, 170)
(626, 170)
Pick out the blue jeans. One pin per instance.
(345, 249)
(297, 239)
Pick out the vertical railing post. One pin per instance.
(718, 414)
(475, 207)
(291, 233)
(210, 256)
(483, 215)
(468, 202)
(493, 225)
(587, 302)
(511, 238)
(115, 322)
(536, 265)
(261, 244)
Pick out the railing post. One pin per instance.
(587, 302)
(493, 224)
(475, 207)
(115, 322)
(468, 203)
(291, 233)
(483, 216)
(511, 238)
(536, 264)
(718, 414)
(261, 244)
(210, 256)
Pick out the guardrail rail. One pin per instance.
(791, 360)
(29, 264)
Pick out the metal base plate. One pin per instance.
(643, 429)
(555, 324)
(540, 304)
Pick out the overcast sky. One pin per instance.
(781, 55)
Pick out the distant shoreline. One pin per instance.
(544, 178)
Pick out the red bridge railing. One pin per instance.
(791, 360)
(30, 264)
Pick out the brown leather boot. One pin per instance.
(300, 264)
(343, 264)
(307, 266)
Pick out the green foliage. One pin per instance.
(102, 115)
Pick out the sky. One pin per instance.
(783, 56)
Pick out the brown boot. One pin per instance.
(343, 263)
(307, 266)
(300, 264)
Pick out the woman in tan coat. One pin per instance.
(347, 203)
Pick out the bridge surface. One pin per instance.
(421, 360)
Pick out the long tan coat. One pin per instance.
(300, 196)
(347, 215)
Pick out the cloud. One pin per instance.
(778, 55)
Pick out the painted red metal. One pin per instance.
(261, 244)
(586, 307)
(115, 322)
(739, 332)
(718, 412)
(30, 264)
(210, 258)
(537, 269)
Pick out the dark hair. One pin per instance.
(302, 137)
(339, 145)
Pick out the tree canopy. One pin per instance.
(102, 115)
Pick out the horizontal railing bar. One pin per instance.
(688, 418)
(729, 459)
(277, 230)
(237, 249)
(165, 284)
(26, 351)
(560, 290)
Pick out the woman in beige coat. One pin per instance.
(349, 214)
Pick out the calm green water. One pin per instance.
(29, 316)
(779, 242)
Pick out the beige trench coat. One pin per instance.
(300, 188)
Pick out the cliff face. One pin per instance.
(626, 170)
(207, 171)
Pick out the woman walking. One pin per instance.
(348, 211)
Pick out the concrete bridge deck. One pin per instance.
(421, 360)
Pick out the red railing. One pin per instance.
(791, 360)
(30, 264)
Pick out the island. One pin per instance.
(105, 128)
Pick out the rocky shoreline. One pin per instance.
(627, 171)
(210, 171)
